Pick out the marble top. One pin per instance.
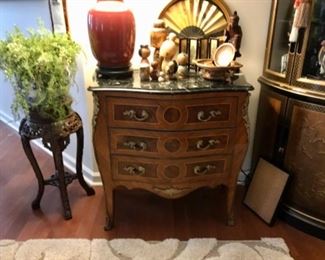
(194, 83)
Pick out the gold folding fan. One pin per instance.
(196, 18)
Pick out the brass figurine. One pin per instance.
(154, 70)
(234, 34)
(171, 69)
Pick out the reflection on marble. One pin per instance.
(194, 83)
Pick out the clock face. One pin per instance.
(196, 18)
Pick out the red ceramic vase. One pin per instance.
(111, 29)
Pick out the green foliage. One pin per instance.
(41, 67)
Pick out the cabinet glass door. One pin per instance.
(277, 64)
(310, 65)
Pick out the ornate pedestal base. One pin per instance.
(55, 137)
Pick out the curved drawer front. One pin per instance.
(170, 171)
(172, 114)
(213, 113)
(218, 141)
(171, 144)
(137, 169)
(135, 113)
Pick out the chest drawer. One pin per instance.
(171, 144)
(170, 171)
(172, 114)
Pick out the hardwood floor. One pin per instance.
(138, 214)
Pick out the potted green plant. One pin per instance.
(41, 67)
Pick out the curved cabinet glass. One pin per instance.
(309, 67)
(299, 64)
(278, 53)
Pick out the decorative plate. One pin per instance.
(224, 54)
(211, 72)
(196, 18)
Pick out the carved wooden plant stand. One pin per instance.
(55, 137)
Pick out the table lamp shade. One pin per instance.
(111, 28)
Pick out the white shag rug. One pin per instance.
(138, 249)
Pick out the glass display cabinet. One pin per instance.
(279, 52)
(299, 63)
(290, 127)
(309, 64)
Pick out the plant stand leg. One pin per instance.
(30, 155)
(56, 145)
(80, 144)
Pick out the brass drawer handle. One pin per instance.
(141, 146)
(212, 142)
(132, 114)
(212, 114)
(139, 171)
(202, 170)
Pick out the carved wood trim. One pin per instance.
(96, 109)
(245, 115)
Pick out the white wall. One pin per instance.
(23, 14)
(254, 20)
(254, 17)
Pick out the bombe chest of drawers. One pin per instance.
(170, 138)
